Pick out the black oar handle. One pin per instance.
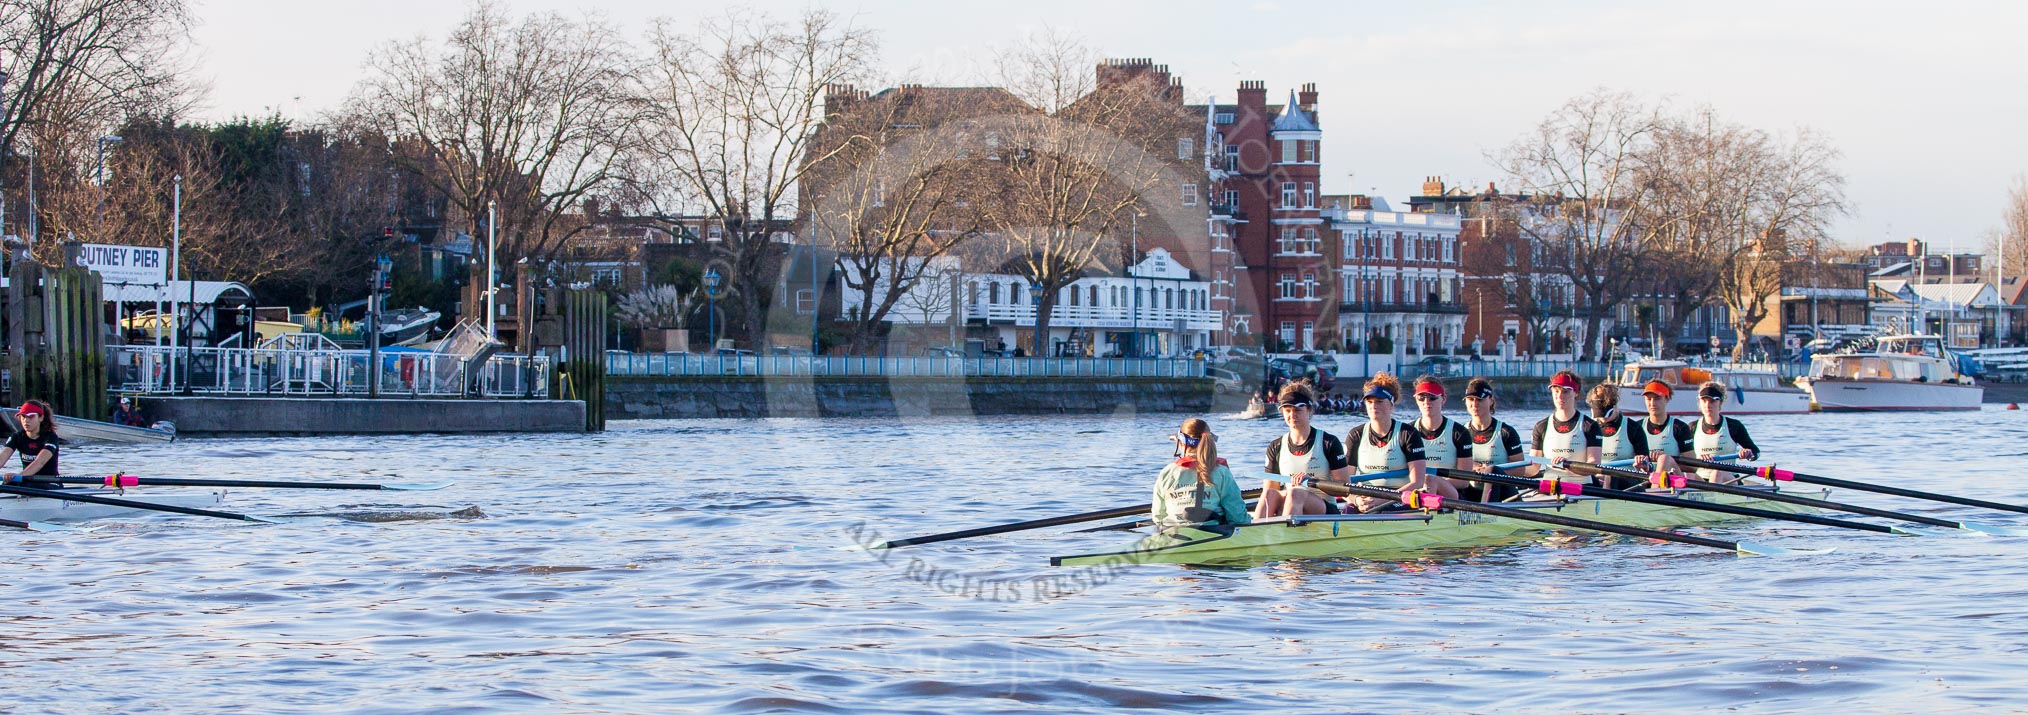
(1783, 474)
(1581, 468)
(128, 480)
(129, 503)
(17, 524)
(1532, 515)
(1033, 524)
(1664, 501)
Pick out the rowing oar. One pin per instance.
(1134, 510)
(1432, 502)
(32, 525)
(128, 480)
(131, 504)
(1774, 474)
(1676, 481)
(1552, 486)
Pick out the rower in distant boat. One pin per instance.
(1197, 488)
(1718, 436)
(1620, 437)
(1667, 436)
(1444, 442)
(1493, 441)
(1385, 444)
(1304, 452)
(36, 443)
(1565, 434)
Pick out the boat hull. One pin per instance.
(26, 508)
(1848, 395)
(1379, 534)
(1737, 402)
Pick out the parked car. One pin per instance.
(1438, 365)
(1224, 380)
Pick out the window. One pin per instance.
(1222, 118)
(1386, 246)
(1310, 242)
(804, 303)
(1309, 195)
(1288, 194)
(1289, 152)
(1448, 247)
(1232, 198)
(1094, 296)
(1074, 293)
(993, 293)
(1287, 244)
(1289, 331)
(1310, 152)
(1189, 194)
(1169, 298)
(1231, 158)
(1288, 285)
(717, 233)
(1387, 289)
(1185, 147)
(1309, 285)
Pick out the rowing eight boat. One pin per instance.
(1319, 536)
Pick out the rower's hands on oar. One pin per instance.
(1747, 455)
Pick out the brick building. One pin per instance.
(1263, 180)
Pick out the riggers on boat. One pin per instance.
(1320, 536)
(44, 509)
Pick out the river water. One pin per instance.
(708, 566)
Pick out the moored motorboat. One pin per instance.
(1754, 391)
(1322, 536)
(1902, 372)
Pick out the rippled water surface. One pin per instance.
(708, 566)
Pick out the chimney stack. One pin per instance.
(1433, 186)
(1253, 93)
(1307, 97)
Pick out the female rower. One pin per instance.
(1667, 436)
(1565, 434)
(1197, 488)
(1444, 442)
(1717, 435)
(36, 443)
(1620, 438)
(1384, 444)
(1305, 452)
(1493, 441)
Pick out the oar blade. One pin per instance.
(1748, 548)
(1992, 530)
(417, 487)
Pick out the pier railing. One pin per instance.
(1589, 370)
(148, 369)
(681, 365)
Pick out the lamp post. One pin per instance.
(711, 281)
(492, 281)
(101, 221)
(3, 195)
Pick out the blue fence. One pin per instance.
(680, 365)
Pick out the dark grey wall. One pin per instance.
(307, 415)
(685, 397)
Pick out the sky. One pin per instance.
(1927, 101)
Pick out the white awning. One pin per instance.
(205, 292)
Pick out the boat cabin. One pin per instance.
(1681, 376)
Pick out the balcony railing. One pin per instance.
(1378, 306)
(161, 370)
(1086, 316)
(680, 365)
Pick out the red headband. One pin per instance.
(30, 408)
(1564, 381)
(1660, 388)
(1430, 388)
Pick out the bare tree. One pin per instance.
(1699, 176)
(2008, 244)
(898, 195)
(1582, 164)
(734, 108)
(1795, 193)
(1061, 185)
(83, 66)
(535, 115)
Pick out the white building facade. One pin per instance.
(1399, 277)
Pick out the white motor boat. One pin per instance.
(1902, 372)
(1752, 391)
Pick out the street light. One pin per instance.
(3, 195)
(711, 280)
